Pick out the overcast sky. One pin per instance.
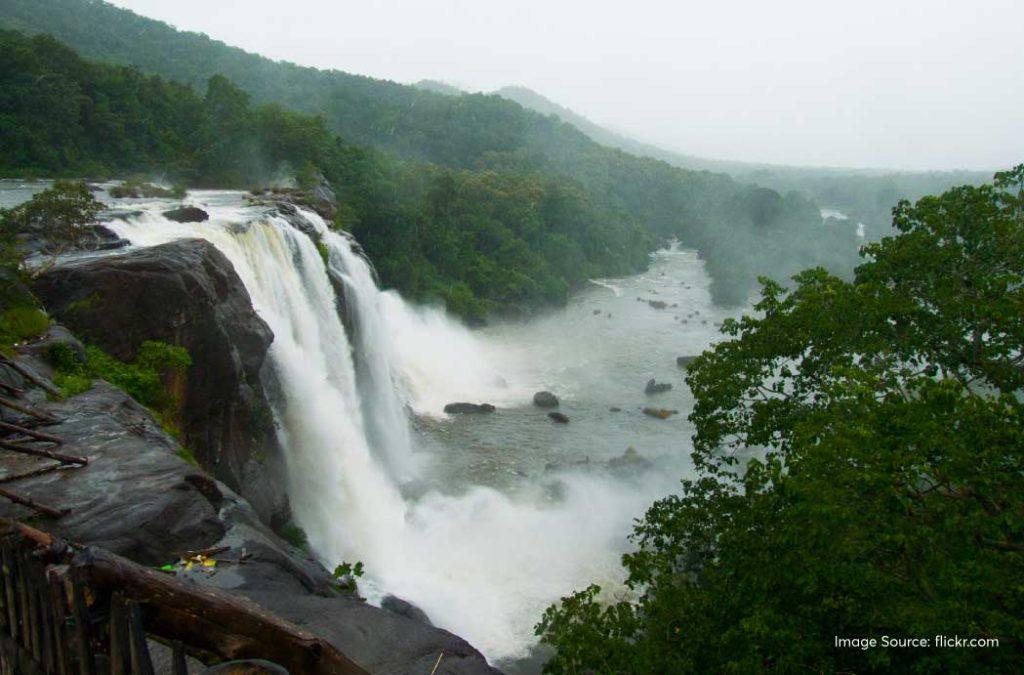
(874, 83)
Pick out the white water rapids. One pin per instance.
(459, 516)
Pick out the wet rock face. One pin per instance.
(135, 498)
(186, 293)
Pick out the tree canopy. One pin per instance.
(860, 471)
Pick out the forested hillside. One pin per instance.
(742, 231)
(482, 241)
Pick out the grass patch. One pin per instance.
(22, 323)
(187, 455)
(294, 535)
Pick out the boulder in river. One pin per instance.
(187, 214)
(468, 408)
(657, 304)
(560, 418)
(656, 387)
(660, 413)
(629, 460)
(684, 361)
(615, 409)
(545, 399)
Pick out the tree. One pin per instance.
(860, 458)
(57, 215)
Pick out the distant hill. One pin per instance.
(439, 87)
(867, 195)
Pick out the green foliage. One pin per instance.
(70, 374)
(72, 384)
(142, 379)
(294, 535)
(346, 575)
(860, 471)
(186, 454)
(57, 215)
(22, 323)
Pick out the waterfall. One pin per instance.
(479, 562)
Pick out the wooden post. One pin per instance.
(57, 597)
(120, 656)
(141, 662)
(80, 612)
(23, 611)
(178, 664)
(34, 616)
(10, 601)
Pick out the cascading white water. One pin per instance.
(479, 562)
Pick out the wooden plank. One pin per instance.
(40, 452)
(31, 503)
(39, 435)
(26, 411)
(10, 478)
(31, 376)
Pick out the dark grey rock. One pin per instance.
(558, 417)
(683, 361)
(186, 293)
(545, 399)
(653, 387)
(404, 608)
(187, 214)
(468, 408)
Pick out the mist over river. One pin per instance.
(481, 520)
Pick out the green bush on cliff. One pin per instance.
(141, 379)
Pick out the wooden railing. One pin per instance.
(73, 610)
